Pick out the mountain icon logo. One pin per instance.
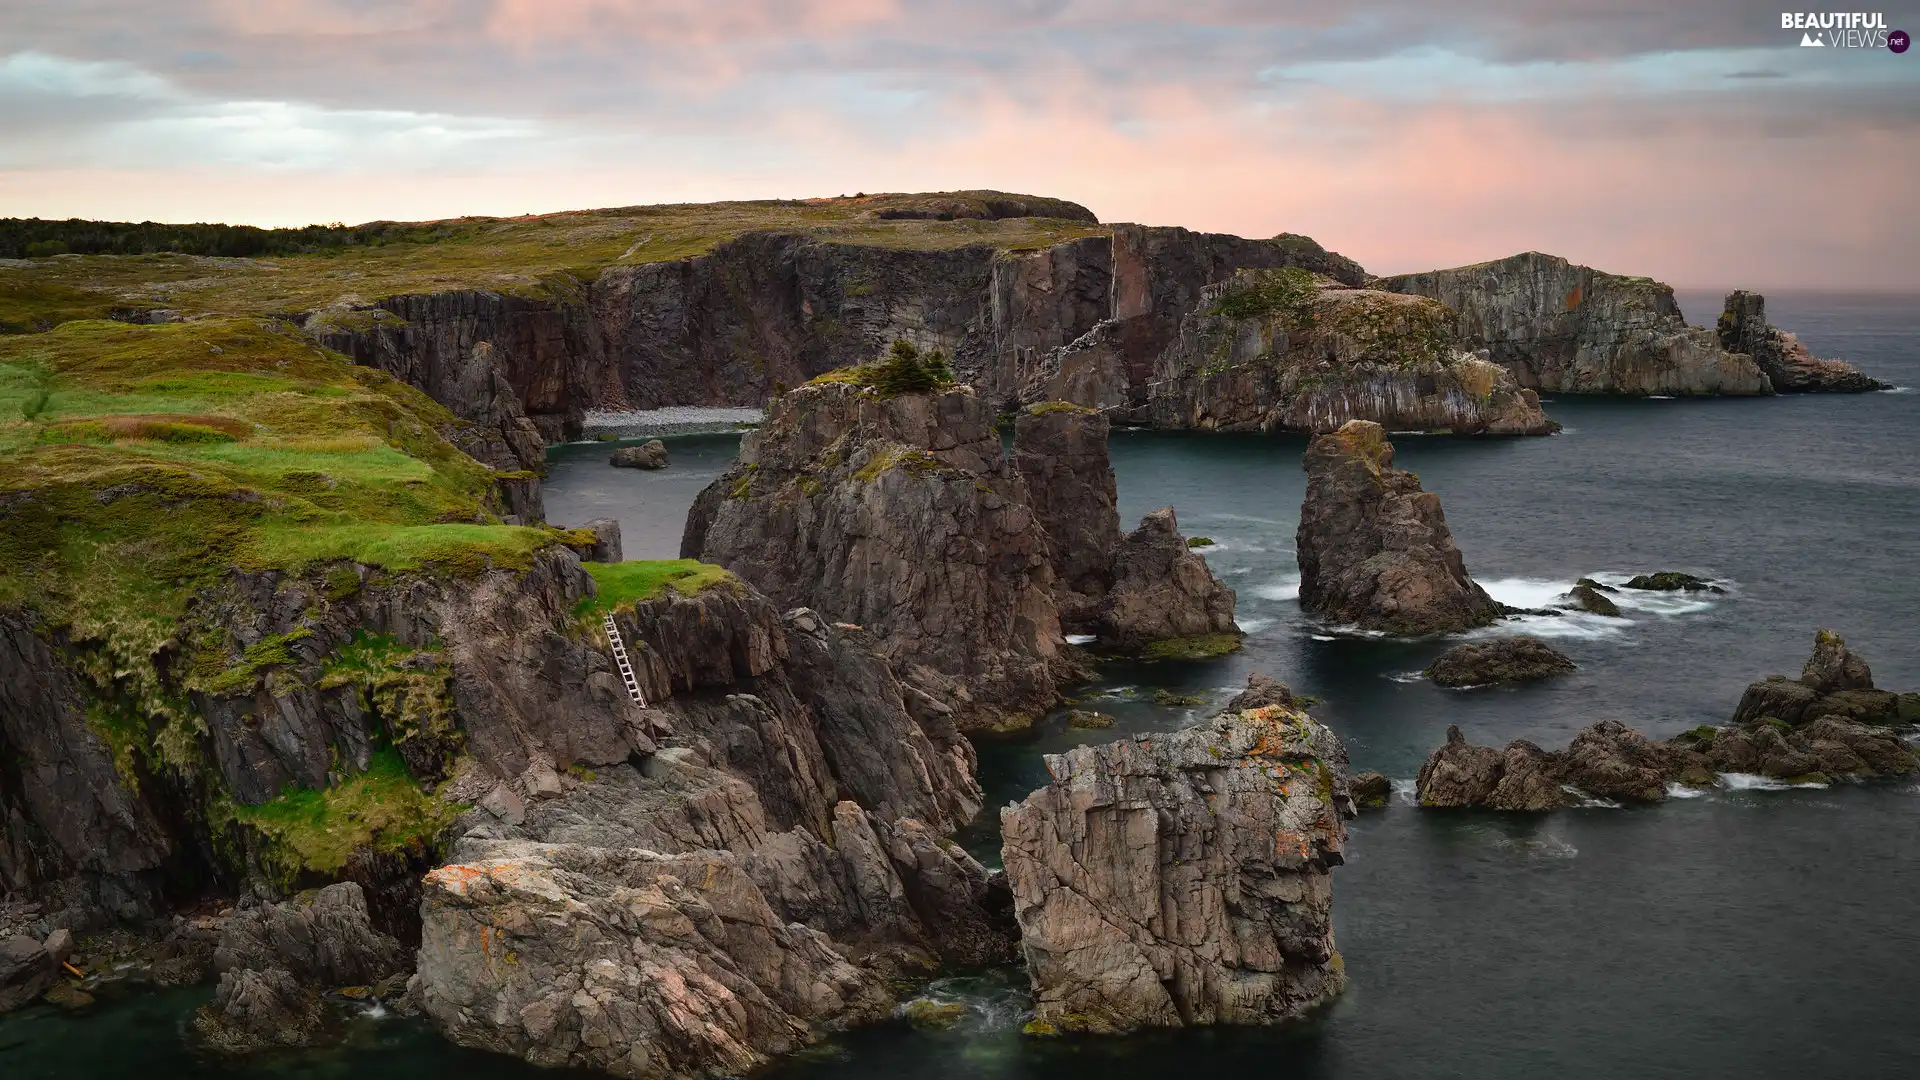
(1811, 41)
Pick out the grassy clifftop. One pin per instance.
(139, 464)
(527, 256)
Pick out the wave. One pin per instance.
(1254, 626)
(1537, 593)
(1081, 639)
(1898, 390)
(1407, 791)
(1734, 781)
(1407, 676)
(1284, 587)
(1677, 790)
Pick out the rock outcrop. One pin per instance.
(1502, 660)
(1591, 600)
(651, 454)
(901, 514)
(1374, 549)
(1575, 330)
(1281, 350)
(1162, 592)
(1830, 725)
(275, 960)
(1182, 878)
(1792, 369)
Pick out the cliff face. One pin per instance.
(898, 513)
(1183, 878)
(1271, 351)
(1572, 329)
(1743, 328)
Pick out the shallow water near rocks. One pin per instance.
(1739, 931)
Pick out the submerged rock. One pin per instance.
(1502, 660)
(1279, 350)
(1575, 330)
(1374, 549)
(1671, 581)
(1182, 878)
(1743, 328)
(651, 454)
(1592, 600)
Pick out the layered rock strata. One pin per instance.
(1573, 329)
(1060, 450)
(1831, 725)
(1374, 549)
(1285, 351)
(1790, 366)
(1182, 878)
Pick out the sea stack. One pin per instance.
(1374, 549)
(1183, 878)
(1744, 328)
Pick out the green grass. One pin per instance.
(546, 256)
(1200, 647)
(623, 584)
(311, 829)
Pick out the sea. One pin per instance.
(1750, 930)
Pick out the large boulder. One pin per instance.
(1182, 878)
(1743, 328)
(27, 970)
(1459, 773)
(1502, 660)
(1162, 591)
(651, 454)
(1281, 350)
(1374, 549)
(1576, 330)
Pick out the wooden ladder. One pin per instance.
(626, 666)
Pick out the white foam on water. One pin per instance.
(1323, 637)
(1407, 791)
(1589, 802)
(1527, 592)
(1254, 626)
(1081, 639)
(1284, 587)
(1247, 517)
(1408, 676)
(1566, 624)
(1207, 547)
(1677, 790)
(1734, 781)
(1898, 390)
(1237, 570)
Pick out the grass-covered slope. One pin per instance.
(528, 256)
(141, 464)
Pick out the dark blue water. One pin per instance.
(1744, 933)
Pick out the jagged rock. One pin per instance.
(1833, 667)
(1834, 682)
(27, 970)
(1261, 691)
(1162, 591)
(1589, 583)
(1591, 600)
(1275, 350)
(1743, 328)
(1671, 581)
(1374, 549)
(1459, 773)
(254, 1010)
(1182, 878)
(651, 454)
(1572, 329)
(1612, 761)
(1529, 781)
(627, 961)
(275, 960)
(606, 541)
(1061, 453)
(1371, 790)
(1502, 660)
(900, 514)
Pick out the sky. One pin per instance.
(1691, 140)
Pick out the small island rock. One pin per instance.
(1502, 660)
(651, 454)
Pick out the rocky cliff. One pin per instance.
(1572, 329)
(1375, 551)
(1830, 724)
(1284, 350)
(1183, 878)
(1790, 367)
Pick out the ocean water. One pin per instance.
(1740, 932)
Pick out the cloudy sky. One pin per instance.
(1692, 140)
